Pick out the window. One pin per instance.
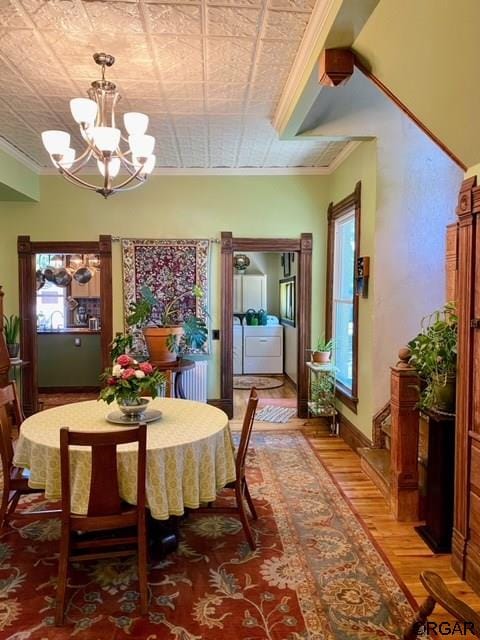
(342, 303)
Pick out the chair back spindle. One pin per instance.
(246, 433)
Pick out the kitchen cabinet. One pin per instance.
(69, 360)
(89, 290)
(249, 292)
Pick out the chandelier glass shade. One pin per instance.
(104, 141)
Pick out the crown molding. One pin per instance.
(14, 152)
(221, 171)
(343, 155)
(309, 50)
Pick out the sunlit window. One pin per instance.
(342, 302)
(343, 297)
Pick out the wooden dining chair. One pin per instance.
(240, 485)
(15, 479)
(438, 592)
(111, 527)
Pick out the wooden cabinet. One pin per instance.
(249, 292)
(466, 527)
(89, 290)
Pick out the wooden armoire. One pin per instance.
(466, 528)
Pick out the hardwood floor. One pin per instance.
(404, 548)
(240, 396)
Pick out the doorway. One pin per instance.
(265, 332)
(66, 310)
(299, 251)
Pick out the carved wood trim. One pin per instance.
(465, 307)
(405, 494)
(4, 357)
(334, 211)
(301, 246)
(27, 303)
(408, 112)
(335, 67)
(106, 298)
(226, 296)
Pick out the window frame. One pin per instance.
(335, 211)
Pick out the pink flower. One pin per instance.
(124, 361)
(146, 367)
(128, 374)
(112, 381)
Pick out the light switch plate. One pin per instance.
(78, 342)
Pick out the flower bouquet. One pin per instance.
(127, 381)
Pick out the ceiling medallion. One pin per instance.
(95, 116)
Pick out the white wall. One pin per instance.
(266, 263)
(416, 193)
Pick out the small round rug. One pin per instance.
(259, 382)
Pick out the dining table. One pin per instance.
(190, 454)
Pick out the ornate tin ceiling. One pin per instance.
(209, 73)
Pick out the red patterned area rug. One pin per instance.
(315, 575)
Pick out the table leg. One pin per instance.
(179, 393)
(163, 536)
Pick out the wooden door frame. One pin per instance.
(27, 303)
(303, 248)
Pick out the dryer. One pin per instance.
(263, 349)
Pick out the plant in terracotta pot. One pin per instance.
(11, 329)
(322, 351)
(434, 356)
(166, 339)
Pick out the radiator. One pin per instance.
(194, 381)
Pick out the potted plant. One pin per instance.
(11, 329)
(127, 381)
(166, 339)
(434, 356)
(322, 351)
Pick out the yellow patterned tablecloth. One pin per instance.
(190, 454)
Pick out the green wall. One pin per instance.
(17, 182)
(362, 165)
(427, 52)
(174, 207)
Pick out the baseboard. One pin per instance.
(351, 434)
(222, 403)
(69, 389)
(294, 384)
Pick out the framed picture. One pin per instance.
(287, 301)
(286, 262)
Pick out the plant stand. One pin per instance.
(321, 393)
(437, 531)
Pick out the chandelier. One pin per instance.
(95, 116)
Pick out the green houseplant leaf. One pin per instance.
(11, 328)
(433, 353)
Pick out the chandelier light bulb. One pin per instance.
(141, 146)
(56, 142)
(148, 166)
(68, 158)
(106, 138)
(135, 123)
(84, 110)
(113, 167)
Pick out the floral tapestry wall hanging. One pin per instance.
(171, 268)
